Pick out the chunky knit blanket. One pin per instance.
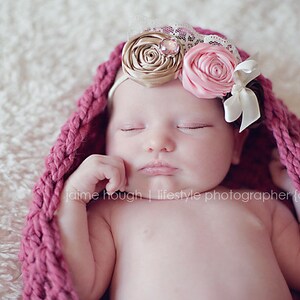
(48, 53)
(44, 270)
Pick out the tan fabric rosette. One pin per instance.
(152, 58)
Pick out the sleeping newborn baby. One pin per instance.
(165, 227)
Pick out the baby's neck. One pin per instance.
(165, 195)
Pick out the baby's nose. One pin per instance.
(159, 141)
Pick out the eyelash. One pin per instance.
(193, 127)
(130, 129)
(182, 127)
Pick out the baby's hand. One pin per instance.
(279, 173)
(93, 175)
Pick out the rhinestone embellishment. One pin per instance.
(169, 47)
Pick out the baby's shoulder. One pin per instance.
(259, 203)
(264, 204)
(244, 195)
(253, 198)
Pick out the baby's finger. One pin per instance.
(111, 174)
(118, 163)
(115, 177)
(100, 171)
(121, 181)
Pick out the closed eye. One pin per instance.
(128, 129)
(193, 126)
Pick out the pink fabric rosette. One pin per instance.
(208, 71)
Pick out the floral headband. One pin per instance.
(209, 67)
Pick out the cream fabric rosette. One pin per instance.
(146, 60)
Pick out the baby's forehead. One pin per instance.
(170, 97)
(124, 87)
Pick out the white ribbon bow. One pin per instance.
(243, 100)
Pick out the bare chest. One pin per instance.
(184, 248)
(182, 222)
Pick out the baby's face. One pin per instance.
(172, 143)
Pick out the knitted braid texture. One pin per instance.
(286, 130)
(45, 273)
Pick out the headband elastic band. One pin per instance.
(116, 84)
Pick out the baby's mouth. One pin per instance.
(157, 168)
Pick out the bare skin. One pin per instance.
(192, 248)
(153, 247)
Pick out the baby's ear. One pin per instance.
(239, 140)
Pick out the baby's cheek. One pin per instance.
(112, 146)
